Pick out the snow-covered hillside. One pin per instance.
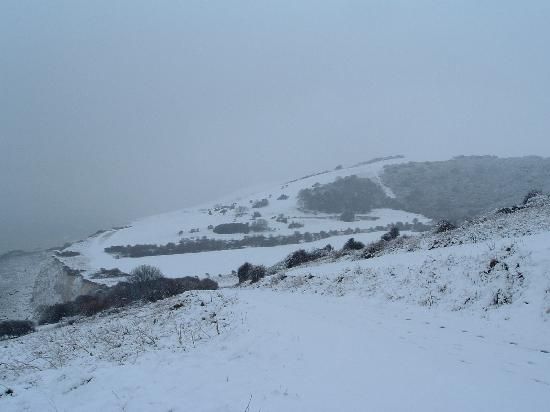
(453, 321)
(281, 211)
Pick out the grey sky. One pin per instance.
(114, 110)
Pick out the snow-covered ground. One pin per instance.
(453, 321)
(285, 351)
(220, 262)
(174, 226)
(422, 327)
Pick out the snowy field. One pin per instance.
(220, 262)
(409, 330)
(453, 321)
(282, 351)
(174, 226)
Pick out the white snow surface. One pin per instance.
(458, 328)
(165, 228)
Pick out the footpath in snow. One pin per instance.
(305, 352)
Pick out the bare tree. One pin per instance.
(144, 273)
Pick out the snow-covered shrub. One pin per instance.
(444, 226)
(144, 273)
(297, 258)
(392, 234)
(301, 256)
(260, 203)
(123, 294)
(15, 328)
(248, 271)
(282, 197)
(353, 244)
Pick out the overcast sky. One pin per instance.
(112, 110)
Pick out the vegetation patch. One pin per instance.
(302, 256)
(232, 228)
(145, 286)
(250, 272)
(350, 194)
(466, 186)
(15, 328)
(208, 245)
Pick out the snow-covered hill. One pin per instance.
(280, 212)
(458, 320)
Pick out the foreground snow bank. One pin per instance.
(508, 274)
(118, 336)
(455, 321)
(305, 352)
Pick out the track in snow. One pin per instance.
(304, 352)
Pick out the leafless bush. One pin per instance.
(15, 328)
(145, 273)
(248, 271)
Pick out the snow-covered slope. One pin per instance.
(453, 321)
(282, 351)
(194, 223)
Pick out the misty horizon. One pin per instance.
(111, 112)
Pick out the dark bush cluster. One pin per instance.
(302, 256)
(15, 328)
(67, 253)
(353, 244)
(205, 244)
(253, 273)
(351, 193)
(103, 273)
(295, 225)
(282, 197)
(123, 294)
(374, 249)
(260, 203)
(392, 234)
(231, 228)
(444, 226)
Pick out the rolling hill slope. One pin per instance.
(456, 320)
(281, 211)
(363, 200)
